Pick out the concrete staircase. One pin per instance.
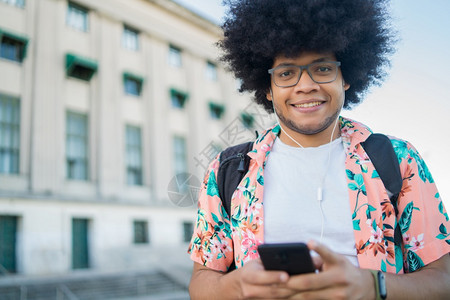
(134, 285)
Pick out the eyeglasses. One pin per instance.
(320, 72)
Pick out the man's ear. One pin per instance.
(269, 94)
(346, 85)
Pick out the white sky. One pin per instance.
(414, 102)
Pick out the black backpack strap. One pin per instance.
(234, 163)
(381, 152)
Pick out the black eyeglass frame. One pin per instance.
(305, 67)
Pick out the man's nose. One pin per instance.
(306, 83)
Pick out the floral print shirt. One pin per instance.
(219, 239)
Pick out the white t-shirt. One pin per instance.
(291, 210)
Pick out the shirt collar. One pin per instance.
(353, 133)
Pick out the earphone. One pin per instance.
(322, 182)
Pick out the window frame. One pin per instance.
(127, 76)
(178, 98)
(175, 56)
(247, 120)
(211, 71)
(74, 137)
(74, 9)
(144, 237)
(10, 121)
(188, 231)
(130, 34)
(21, 42)
(216, 110)
(135, 148)
(180, 161)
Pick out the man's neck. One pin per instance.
(313, 140)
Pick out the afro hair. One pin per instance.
(358, 32)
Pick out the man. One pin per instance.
(309, 177)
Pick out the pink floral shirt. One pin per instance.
(424, 222)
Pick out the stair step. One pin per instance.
(97, 287)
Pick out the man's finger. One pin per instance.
(318, 262)
(255, 274)
(333, 293)
(325, 253)
(313, 281)
(268, 277)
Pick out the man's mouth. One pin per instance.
(308, 105)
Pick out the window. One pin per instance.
(140, 232)
(77, 17)
(130, 38)
(188, 230)
(132, 84)
(9, 134)
(247, 120)
(8, 243)
(133, 155)
(178, 98)
(179, 154)
(216, 110)
(175, 57)
(211, 71)
(80, 243)
(18, 3)
(12, 46)
(80, 67)
(77, 146)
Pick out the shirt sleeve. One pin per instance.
(211, 244)
(422, 217)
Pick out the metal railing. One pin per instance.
(63, 292)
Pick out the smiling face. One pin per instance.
(308, 110)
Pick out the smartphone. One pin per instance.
(294, 258)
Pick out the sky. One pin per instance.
(414, 102)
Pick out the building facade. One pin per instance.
(107, 108)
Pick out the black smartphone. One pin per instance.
(294, 258)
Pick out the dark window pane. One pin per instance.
(12, 49)
(132, 86)
(80, 243)
(133, 149)
(140, 232)
(76, 146)
(9, 134)
(188, 230)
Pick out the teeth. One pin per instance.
(310, 104)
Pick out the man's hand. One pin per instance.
(257, 283)
(338, 278)
(251, 281)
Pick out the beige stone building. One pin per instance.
(102, 104)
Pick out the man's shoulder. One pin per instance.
(265, 137)
(353, 128)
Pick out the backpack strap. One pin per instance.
(234, 163)
(381, 152)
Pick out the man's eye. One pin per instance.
(285, 73)
(323, 69)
